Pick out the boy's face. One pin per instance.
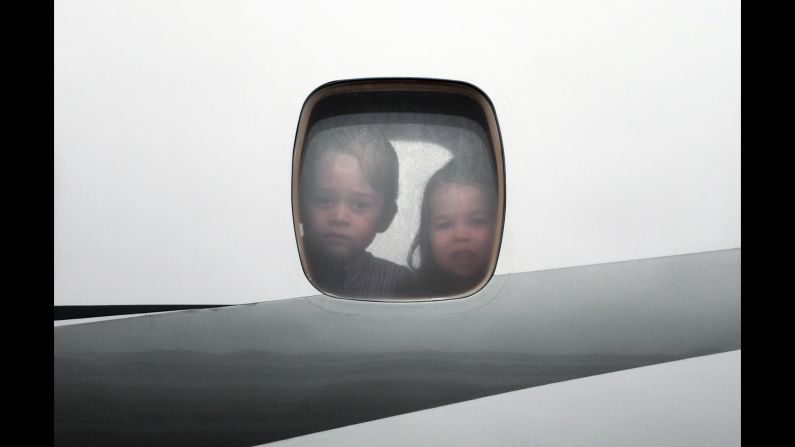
(344, 212)
(462, 229)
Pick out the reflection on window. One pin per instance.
(398, 189)
(418, 161)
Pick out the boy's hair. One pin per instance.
(377, 157)
(468, 170)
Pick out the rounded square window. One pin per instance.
(398, 189)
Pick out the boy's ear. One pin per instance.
(387, 216)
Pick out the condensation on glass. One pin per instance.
(398, 189)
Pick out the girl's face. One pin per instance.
(462, 229)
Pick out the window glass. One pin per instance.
(398, 189)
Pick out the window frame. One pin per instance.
(408, 85)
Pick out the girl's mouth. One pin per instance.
(463, 255)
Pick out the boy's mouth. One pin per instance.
(336, 238)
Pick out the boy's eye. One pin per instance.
(323, 201)
(361, 205)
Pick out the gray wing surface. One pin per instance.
(253, 374)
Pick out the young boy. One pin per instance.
(349, 187)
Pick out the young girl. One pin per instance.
(457, 229)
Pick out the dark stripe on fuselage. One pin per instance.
(75, 312)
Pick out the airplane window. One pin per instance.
(398, 189)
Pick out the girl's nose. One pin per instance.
(460, 232)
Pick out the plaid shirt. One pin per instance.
(365, 276)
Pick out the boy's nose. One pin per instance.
(340, 214)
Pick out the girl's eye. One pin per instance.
(442, 225)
